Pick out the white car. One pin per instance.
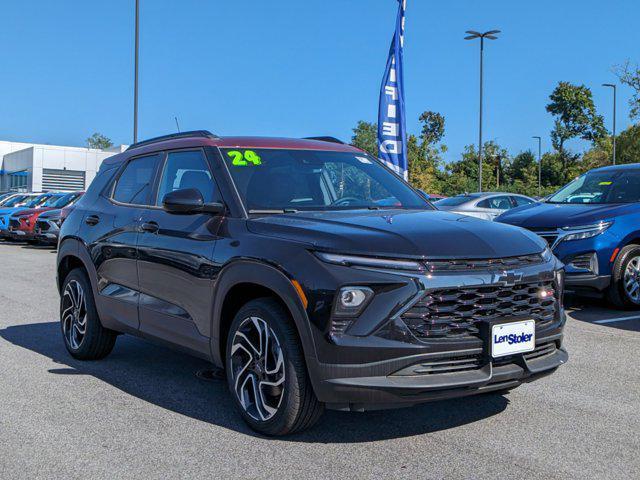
(486, 205)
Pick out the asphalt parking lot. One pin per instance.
(142, 412)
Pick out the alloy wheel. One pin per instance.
(74, 314)
(257, 369)
(632, 280)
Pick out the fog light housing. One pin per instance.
(351, 301)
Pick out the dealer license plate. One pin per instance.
(512, 338)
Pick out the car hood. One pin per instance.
(555, 215)
(30, 211)
(51, 213)
(393, 233)
(9, 211)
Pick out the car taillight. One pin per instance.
(64, 213)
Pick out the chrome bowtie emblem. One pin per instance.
(508, 279)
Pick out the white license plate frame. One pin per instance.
(500, 346)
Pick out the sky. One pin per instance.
(302, 68)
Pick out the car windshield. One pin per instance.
(601, 187)
(51, 201)
(453, 201)
(39, 200)
(12, 202)
(275, 180)
(64, 200)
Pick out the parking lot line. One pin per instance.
(620, 319)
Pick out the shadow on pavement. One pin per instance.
(167, 379)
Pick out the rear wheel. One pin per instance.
(83, 334)
(624, 291)
(266, 372)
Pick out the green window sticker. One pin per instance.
(242, 159)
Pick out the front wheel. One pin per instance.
(266, 371)
(624, 291)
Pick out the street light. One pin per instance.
(539, 165)
(611, 85)
(135, 80)
(490, 35)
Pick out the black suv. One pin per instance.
(311, 273)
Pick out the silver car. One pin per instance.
(487, 205)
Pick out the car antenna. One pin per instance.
(177, 124)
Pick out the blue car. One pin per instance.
(20, 202)
(593, 226)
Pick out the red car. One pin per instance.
(22, 223)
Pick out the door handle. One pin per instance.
(92, 220)
(150, 227)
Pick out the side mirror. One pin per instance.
(189, 200)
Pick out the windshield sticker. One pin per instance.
(364, 160)
(605, 183)
(242, 159)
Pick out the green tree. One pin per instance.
(425, 153)
(99, 141)
(628, 145)
(576, 117)
(365, 137)
(629, 75)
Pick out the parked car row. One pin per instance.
(35, 217)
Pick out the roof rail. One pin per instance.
(174, 136)
(325, 139)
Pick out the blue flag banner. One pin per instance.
(392, 134)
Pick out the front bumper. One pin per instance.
(584, 283)
(366, 387)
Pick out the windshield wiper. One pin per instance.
(274, 211)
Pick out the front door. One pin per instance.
(175, 254)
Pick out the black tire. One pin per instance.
(617, 294)
(96, 342)
(298, 407)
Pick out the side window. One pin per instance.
(134, 184)
(522, 201)
(497, 203)
(187, 170)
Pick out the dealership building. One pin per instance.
(30, 167)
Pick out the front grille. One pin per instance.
(539, 352)
(457, 364)
(454, 312)
(550, 235)
(483, 264)
(464, 363)
(42, 225)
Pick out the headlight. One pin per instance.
(585, 231)
(353, 260)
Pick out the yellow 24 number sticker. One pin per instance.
(242, 159)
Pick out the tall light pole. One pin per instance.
(611, 85)
(490, 35)
(539, 165)
(135, 79)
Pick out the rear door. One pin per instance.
(175, 264)
(110, 228)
